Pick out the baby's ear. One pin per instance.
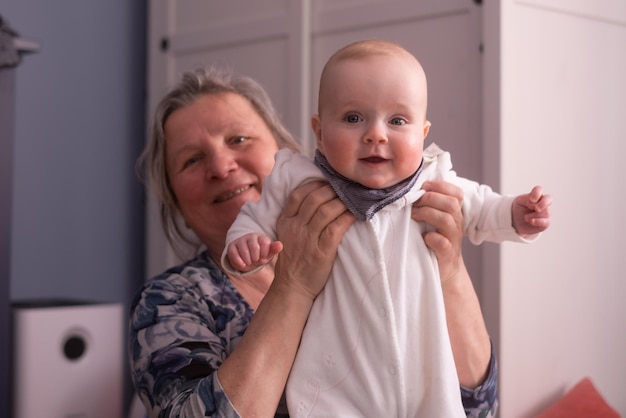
(426, 128)
(316, 124)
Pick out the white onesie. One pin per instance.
(376, 341)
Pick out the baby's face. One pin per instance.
(372, 121)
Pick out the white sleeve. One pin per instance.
(486, 214)
(290, 170)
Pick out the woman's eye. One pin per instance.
(238, 139)
(352, 118)
(191, 161)
(397, 121)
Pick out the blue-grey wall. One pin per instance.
(78, 215)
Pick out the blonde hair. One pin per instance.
(151, 166)
(364, 49)
(367, 48)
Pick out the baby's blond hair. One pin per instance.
(364, 49)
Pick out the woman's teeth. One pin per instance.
(233, 193)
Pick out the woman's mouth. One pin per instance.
(231, 194)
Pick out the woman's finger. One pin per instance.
(305, 199)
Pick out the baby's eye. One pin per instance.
(397, 121)
(352, 118)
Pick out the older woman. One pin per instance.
(203, 343)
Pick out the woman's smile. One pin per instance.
(231, 194)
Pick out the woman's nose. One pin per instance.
(220, 165)
(375, 133)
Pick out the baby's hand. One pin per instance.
(531, 212)
(252, 251)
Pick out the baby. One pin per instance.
(376, 341)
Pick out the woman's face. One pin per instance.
(218, 151)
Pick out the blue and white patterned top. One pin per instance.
(185, 322)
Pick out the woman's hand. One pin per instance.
(310, 227)
(441, 208)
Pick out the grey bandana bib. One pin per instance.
(362, 201)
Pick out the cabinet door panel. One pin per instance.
(446, 37)
(284, 44)
(260, 39)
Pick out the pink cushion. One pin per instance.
(583, 400)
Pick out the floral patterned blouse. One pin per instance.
(185, 322)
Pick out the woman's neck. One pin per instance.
(253, 287)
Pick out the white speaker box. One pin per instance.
(67, 360)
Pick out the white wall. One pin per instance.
(562, 100)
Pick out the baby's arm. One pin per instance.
(531, 212)
(251, 251)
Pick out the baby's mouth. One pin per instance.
(374, 159)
